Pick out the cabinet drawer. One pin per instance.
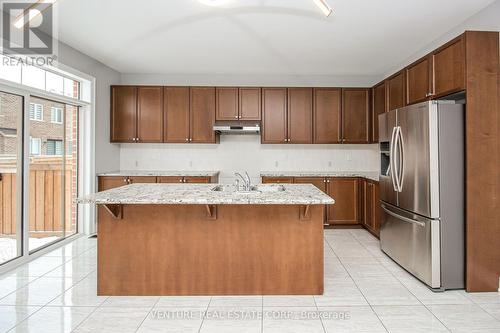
(278, 180)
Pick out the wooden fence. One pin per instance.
(46, 198)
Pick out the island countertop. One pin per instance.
(203, 194)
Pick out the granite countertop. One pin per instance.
(373, 175)
(202, 194)
(158, 173)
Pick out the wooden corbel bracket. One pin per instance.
(116, 210)
(211, 212)
(305, 212)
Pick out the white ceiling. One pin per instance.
(271, 37)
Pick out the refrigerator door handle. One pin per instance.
(402, 218)
(391, 159)
(401, 158)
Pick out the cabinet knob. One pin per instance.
(190, 139)
(187, 139)
(125, 180)
(236, 117)
(136, 139)
(181, 180)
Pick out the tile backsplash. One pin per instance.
(245, 152)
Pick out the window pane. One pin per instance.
(53, 175)
(71, 88)
(33, 77)
(11, 110)
(9, 70)
(55, 83)
(71, 163)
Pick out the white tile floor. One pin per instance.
(364, 292)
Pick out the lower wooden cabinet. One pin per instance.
(371, 206)
(277, 180)
(109, 182)
(346, 209)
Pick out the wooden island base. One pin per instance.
(210, 250)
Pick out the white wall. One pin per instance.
(251, 80)
(487, 19)
(107, 155)
(245, 152)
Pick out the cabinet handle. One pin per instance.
(190, 139)
(137, 139)
(328, 181)
(187, 139)
(236, 117)
(125, 180)
(181, 180)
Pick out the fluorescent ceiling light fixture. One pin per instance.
(32, 13)
(213, 2)
(323, 5)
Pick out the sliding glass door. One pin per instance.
(11, 115)
(53, 171)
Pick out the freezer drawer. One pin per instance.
(413, 242)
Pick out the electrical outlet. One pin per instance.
(329, 164)
(136, 163)
(190, 164)
(276, 164)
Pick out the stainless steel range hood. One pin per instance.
(237, 128)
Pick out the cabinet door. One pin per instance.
(378, 107)
(377, 210)
(227, 103)
(319, 182)
(150, 114)
(170, 179)
(109, 182)
(300, 114)
(277, 180)
(197, 180)
(142, 179)
(250, 104)
(355, 115)
(368, 204)
(176, 114)
(345, 192)
(274, 129)
(418, 81)
(123, 113)
(202, 115)
(395, 91)
(327, 115)
(449, 68)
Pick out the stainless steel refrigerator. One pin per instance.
(422, 191)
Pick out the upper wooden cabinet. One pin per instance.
(379, 106)
(355, 115)
(250, 103)
(395, 91)
(238, 103)
(327, 115)
(149, 114)
(274, 115)
(419, 81)
(227, 103)
(287, 115)
(176, 115)
(202, 115)
(346, 209)
(123, 113)
(449, 67)
(300, 115)
(136, 114)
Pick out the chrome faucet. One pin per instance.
(246, 180)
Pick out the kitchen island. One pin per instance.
(206, 239)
